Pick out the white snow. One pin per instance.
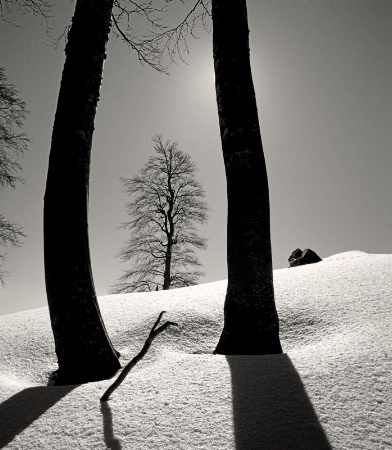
(331, 387)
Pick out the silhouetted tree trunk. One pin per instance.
(250, 319)
(168, 257)
(169, 226)
(83, 348)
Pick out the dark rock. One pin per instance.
(301, 258)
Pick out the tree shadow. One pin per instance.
(271, 408)
(22, 409)
(111, 441)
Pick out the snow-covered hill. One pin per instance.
(331, 387)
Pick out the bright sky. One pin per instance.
(322, 73)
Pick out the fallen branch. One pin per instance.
(153, 334)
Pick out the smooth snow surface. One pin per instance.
(330, 389)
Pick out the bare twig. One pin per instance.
(153, 334)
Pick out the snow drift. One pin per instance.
(330, 389)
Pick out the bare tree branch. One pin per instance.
(139, 24)
(153, 334)
(37, 7)
(162, 45)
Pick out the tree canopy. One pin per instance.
(167, 202)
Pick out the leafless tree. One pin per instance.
(13, 143)
(83, 348)
(167, 202)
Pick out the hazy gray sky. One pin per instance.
(322, 71)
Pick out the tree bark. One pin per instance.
(83, 348)
(251, 323)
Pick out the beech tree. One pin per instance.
(167, 202)
(83, 348)
(251, 323)
(13, 143)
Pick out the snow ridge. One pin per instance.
(330, 389)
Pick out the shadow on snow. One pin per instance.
(110, 440)
(22, 409)
(271, 409)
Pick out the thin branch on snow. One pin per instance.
(153, 334)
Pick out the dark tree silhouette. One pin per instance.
(83, 348)
(166, 203)
(13, 143)
(250, 319)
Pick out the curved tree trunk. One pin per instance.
(83, 348)
(250, 319)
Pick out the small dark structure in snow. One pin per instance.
(301, 258)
